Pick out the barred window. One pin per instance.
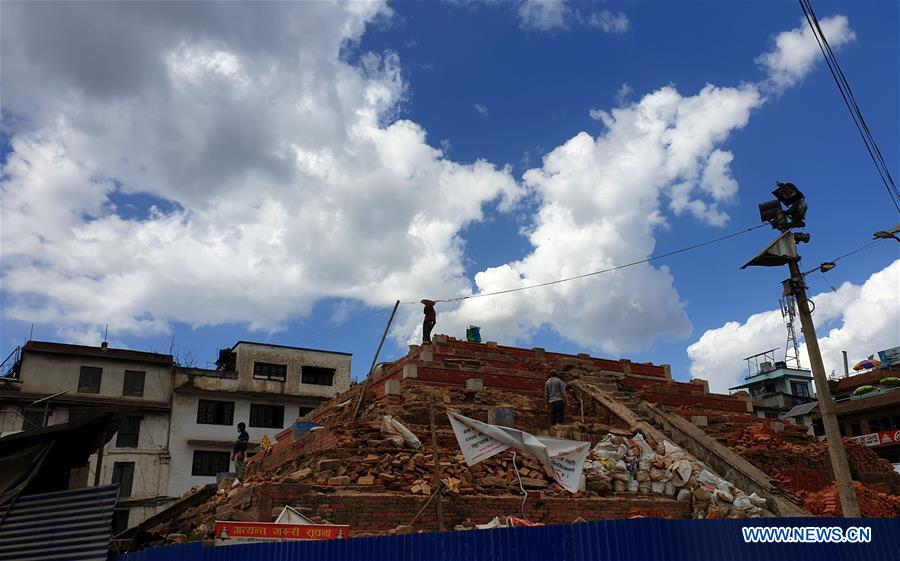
(134, 383)
(89, 379)
(129, 431)
(266, 416)
(210, 463)
(211, 412)
(268, 371)
(318, 376)
(123, 474)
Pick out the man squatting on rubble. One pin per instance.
(430, 320)
(555, 394)
(240, 450)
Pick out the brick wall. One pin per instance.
(382, 512)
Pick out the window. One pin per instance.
(120, 520)
(267, 371)
(215, 412)
(89, 380)
(305, 410)
(32, 419)
(129, 431)
(134, 383)
(318, 375)
(800, 388)
(855, 429)
(210, 463)
(267, 416)
(123, 474)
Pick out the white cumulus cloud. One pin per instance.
(282, 170)
(796, 52)
(859, 319)
(601, 204)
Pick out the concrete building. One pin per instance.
(871, 417)
(138, 383)
(265, 386)
(179, 424)
(776, 390)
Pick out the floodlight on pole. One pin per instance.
(890, 233)
(783, 251)
(787, 193)
(823, 267)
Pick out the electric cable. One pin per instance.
(602, 271)
(341, 326)
(866, 247)
(852, 106)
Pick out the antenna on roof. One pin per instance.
(791, 348)
(31, 333)
(172, 344)
(105, 341)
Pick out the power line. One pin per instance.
(341, 326)
(600, 272)
(850, 101)
(857, 250)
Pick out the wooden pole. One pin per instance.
(437, 468)
(362, 394)
(836, 451)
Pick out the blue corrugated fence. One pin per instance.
(612, 540)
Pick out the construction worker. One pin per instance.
(240, 450)
(555, 394)
(430, 320)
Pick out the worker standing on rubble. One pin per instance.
(555, 394)
(430, 320)
(240, 450)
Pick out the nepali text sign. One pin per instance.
(882, 438)
(228, 533)
(563, 460)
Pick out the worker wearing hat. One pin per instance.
(430, 320)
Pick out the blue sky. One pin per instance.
(479, 83)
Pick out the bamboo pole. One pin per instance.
(362, 394)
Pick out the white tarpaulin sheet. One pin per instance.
(563, 460)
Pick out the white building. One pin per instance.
(264, 386)
(139, 383)
(180, 424)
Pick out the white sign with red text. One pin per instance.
(882, 438)
(563, 460)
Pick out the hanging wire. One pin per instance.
(594, 273)
(522, 508)
(850, 101)
(343, 325)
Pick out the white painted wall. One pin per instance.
(185, 428)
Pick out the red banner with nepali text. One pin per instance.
(228, 533)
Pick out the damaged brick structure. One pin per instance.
(348, 472)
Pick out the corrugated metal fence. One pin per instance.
(60, 525)
(614, 540)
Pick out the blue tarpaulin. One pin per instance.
(613, 540)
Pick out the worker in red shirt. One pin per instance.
(430, 320)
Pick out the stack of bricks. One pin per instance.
(872, 503)
(348, 472)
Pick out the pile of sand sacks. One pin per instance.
(621, 464)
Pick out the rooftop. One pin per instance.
(96, 352)
(289, 347)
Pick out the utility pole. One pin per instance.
(849, 504)
(788, 211)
